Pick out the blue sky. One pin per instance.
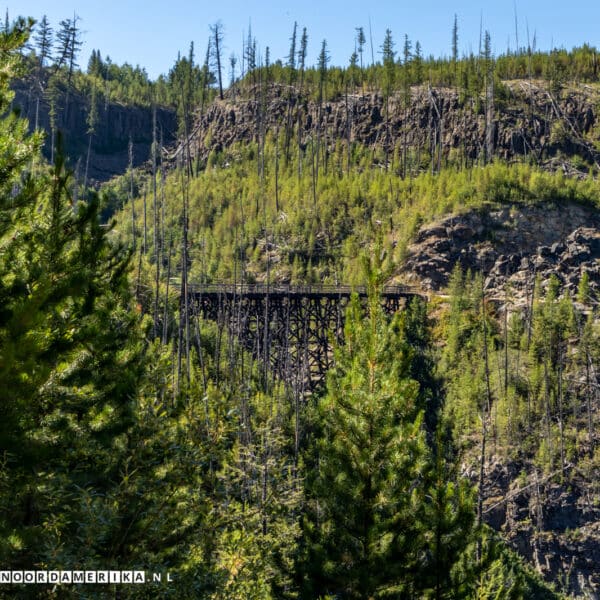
(151, 33)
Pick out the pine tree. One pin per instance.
(322, 71)
(361, 40)
(291, 64)
(353, 69)
(96, 66)
(322, 64)
(232, 66)
(291, 58)
(418, 64)
(382, 511)
(302, 55)
(43, 46)
(389, 68)
(69, 43)
(43, 41)
(455, 45)
(70, 355)
(250, 52)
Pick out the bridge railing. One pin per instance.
(303, 290)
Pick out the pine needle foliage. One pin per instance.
(384, 516)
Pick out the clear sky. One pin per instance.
(150, 33)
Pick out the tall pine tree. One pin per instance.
(383, 512)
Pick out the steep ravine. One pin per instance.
(552, 520)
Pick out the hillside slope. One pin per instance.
(425, 187)
(510, 244)
(434, 126)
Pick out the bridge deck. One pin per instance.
(305, 291)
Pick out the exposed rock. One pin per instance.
(117, 124)
(438, 116)
(513, 244)
(556, 526)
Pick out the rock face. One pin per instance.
(512, 243)
(117, 124)
(555, 527)
(436, 123)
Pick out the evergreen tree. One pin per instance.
(291, 58)
(70, 358)
(232, 66)
(455, 42)
(418, 64)
(361, 40)
(406, 70)
(96, 65)
(43, 41)
(385, 518)
(250, 51)
(302, 55)
(322, 69)
(389, 68)
(69, 44)
(354, 69)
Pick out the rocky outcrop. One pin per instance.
(513, 244)
(438, 123)
(117, 124)
(554, 525)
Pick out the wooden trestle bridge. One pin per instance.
(290, 328)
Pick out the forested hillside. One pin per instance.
(450, 452)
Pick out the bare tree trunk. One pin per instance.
(588, 398)
(348, 130)
(314, 175)
(138, 284)
(277, 170)
(560, 412)
(264, 486)
(131, 192)
(166, 310)
(489, 119)
(157, 240)
(530, 319)
(162, 196)
(485, 412)
(217, 40)
(480, 490)
(506, 341)
(547, 403)
(185, 320)
(316, 154)
(87, 163)
(144, 206)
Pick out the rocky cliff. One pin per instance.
(437, 125)
(510, 244)
(554, 525)
(117, 124)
